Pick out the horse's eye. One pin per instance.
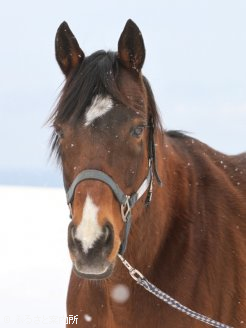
(60, 134)
(137, 131)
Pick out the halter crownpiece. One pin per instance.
(126, 202)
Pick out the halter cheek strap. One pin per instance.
(126, 202)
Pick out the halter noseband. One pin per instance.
(126, 202)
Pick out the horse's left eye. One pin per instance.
(60, 134)
(137, 131)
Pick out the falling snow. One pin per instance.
(120, 293)
(87, 318)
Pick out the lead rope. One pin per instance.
(141, 280)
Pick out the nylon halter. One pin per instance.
(126, 201)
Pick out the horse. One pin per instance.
(185, 201)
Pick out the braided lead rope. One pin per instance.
(141, 280)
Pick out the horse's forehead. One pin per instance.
(103, 110)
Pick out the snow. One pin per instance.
(35, 264)
(120, 293)
(87, 317)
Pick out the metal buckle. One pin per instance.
(125, 209)
(136, 275)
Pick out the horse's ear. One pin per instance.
(68, 53)
(131, 50)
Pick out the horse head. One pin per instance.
(104, 124)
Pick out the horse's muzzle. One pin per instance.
(91, 263)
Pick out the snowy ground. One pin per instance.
(35, 264)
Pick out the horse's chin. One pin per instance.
(93, 273)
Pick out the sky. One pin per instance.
(195, 63)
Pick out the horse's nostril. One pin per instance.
(72, 234)
(108, 233)
(87, 244)
(75, 240)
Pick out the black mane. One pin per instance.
(94, 76)
(177, 134)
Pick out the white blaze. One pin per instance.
(99, 107)
(88, 231)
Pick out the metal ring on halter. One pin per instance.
(125, 209)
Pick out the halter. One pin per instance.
(126, 202)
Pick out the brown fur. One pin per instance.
(190, 241)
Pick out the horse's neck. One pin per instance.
(152, 227)
(185, 242)
(174, 235)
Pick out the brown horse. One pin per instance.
(188, 235)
